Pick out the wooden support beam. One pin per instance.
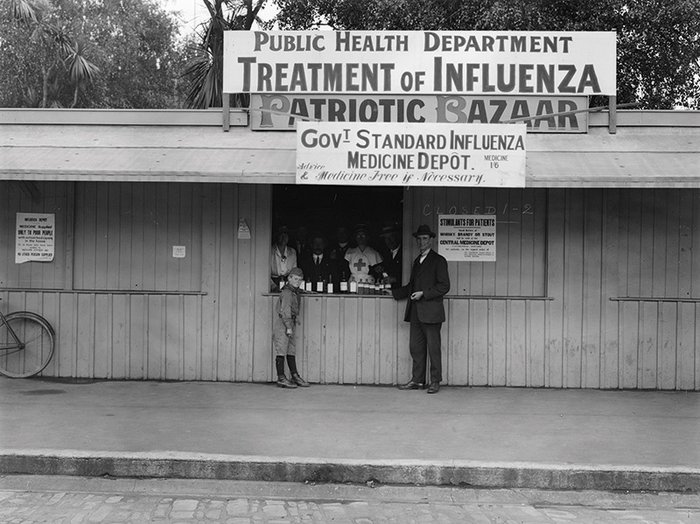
(612, 115)
(226, 98)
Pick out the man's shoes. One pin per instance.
(434, 388)
(299, 381)
(284, 382)
(411, 385)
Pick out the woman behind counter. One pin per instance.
(282, 259)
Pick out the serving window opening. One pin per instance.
(345, 239)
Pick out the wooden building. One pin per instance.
(596, 283)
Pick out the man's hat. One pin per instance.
(296, 271)
(423, 229)
(282, 229)
(361, 228)
(389, 229)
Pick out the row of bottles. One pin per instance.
(345, 286)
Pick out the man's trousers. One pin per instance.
(425, 342)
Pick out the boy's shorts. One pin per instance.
(282, 344)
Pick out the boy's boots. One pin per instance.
(284, 382)
(299, 381)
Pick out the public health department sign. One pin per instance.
(400, 154)
(421, 62)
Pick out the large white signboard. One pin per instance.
(35, 239)
(467, 238)
(421, 62)
(400, 154)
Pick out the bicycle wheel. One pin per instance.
(37, 338)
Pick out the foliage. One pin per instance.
(658, 41)
(88, 53)
(204, 68)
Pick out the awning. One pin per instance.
(636, 156)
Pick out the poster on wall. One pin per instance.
(467, 238)
(35, 238)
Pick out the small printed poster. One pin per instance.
(243, 230)
(467, 238)
(36, 237)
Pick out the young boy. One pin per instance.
(283, 331)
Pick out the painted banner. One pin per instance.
(405, 154)
(280, 112)
(36, 236)
(467, 238)
(421, 62)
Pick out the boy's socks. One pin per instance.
(292, 363)
(279, 364)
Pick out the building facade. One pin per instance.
(596, 283)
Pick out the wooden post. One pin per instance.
(612, 115)
(226, 121)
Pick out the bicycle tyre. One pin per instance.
(39, 339)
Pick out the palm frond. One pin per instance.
(80, 69)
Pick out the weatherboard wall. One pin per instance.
(594, 288)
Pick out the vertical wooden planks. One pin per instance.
(192, 323)
(102, 348)
(155, 337)
(138, 332)
(227, 286)
(174, 337)
(556, 256)
(573, 288)
(611, 288)
(648, 345)
(629, 343)
(367, 326)
(351, 341)
(245, 284)
(261, 231)
(647, 253)
(516, 360)
(85, 337)
(211, 253)
(479, 354)
(51, 311)
(685, 362)
(459, 350)
(535, 343)
(667, 345)
(387, 347)
(112, 203)
(120, 336)
(310, 348)
(592, 284)
(498, 337)
(330, 373)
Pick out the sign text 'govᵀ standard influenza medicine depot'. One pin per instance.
(400, 154)
(420, 62)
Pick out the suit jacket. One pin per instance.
(393, 266)
(430, 277)
(326, 269)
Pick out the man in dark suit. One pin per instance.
(429, 282)
(316, 263)
(389, 271)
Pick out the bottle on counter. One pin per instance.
(320, 285)
(343, 283)
(353, 287)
